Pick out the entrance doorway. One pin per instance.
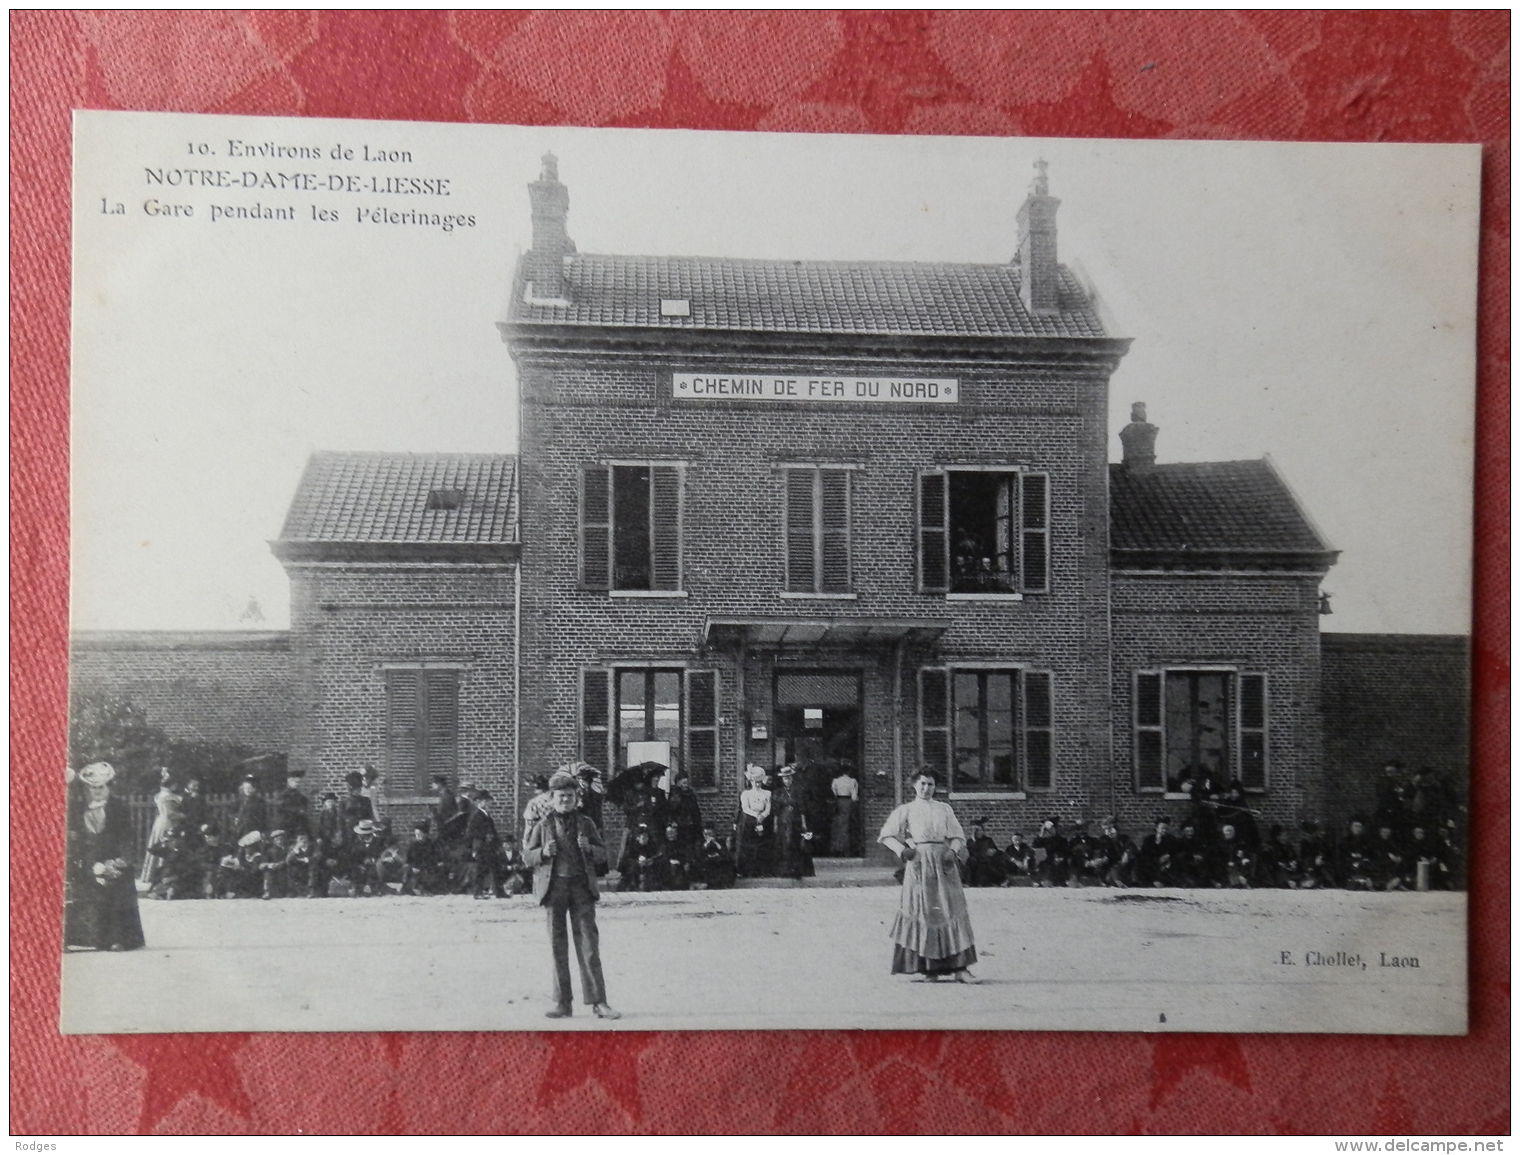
(818, 728)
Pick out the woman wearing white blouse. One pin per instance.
(846, 793)
(931, 935)
(752, 829)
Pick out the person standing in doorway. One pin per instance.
(564, 849)
(792, 833)
(846, 791)
(931, 934)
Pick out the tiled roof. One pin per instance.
(384, 498)
(1209, 507)
(867, 297)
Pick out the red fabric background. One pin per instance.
(1302, 76)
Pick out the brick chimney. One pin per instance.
(1139, 441)
(551, 243)
(1039, 284)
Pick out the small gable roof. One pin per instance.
(1235, 513)
(403, 499)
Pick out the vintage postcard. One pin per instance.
(805, 581)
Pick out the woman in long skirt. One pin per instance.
(792, 834)
(846, 792)
(932, 932)
(103, 898)
(167, 801)
(753, 827)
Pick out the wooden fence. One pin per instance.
(221, 807)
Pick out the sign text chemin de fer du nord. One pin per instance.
(735, 386)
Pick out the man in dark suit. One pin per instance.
(252, 814)
(292, 809)
(330, 853)
(354, 806)
(563, 849)
(1154, 865)
(485, 849)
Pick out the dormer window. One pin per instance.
(445, 499)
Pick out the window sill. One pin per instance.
(817, 597)
(984, 597)
(990, 796)
(647, 594)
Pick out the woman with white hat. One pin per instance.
(102, 912)
(752, 827)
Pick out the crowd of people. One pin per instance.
(1412, 842)
(345, 844)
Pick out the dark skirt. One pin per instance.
(932, 931)
(102, 916)
(839, 832)
(753, 850)
(906, 962)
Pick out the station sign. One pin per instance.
(728, 385)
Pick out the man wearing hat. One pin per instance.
(354, 806)
(330, 852)
(564, 849)
(984, 865)
(252, 814)
(485, 849)
(1055, 869)
(364, 870)
(292, 809)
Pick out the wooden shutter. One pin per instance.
(665, 527)
(934, 721)
(801, 561)
(440, 716)
(1253, 731)
(834, 532)
(1034, 505)
(596, 717)
(933, 534)
(702, 727)
(596, 527)
(1150, 740)
(403, 737)
(1036, 720)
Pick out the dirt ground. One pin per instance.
(1266, 960)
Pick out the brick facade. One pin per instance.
(585, 409)
(197, 685)
(1246, 622)
(351, 621)
(1387, 696)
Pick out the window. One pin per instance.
(637, 704)
(984, 532)
(987, 729)
(1191, 723)
(817, 530)
(631, 527)
(421, 727)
